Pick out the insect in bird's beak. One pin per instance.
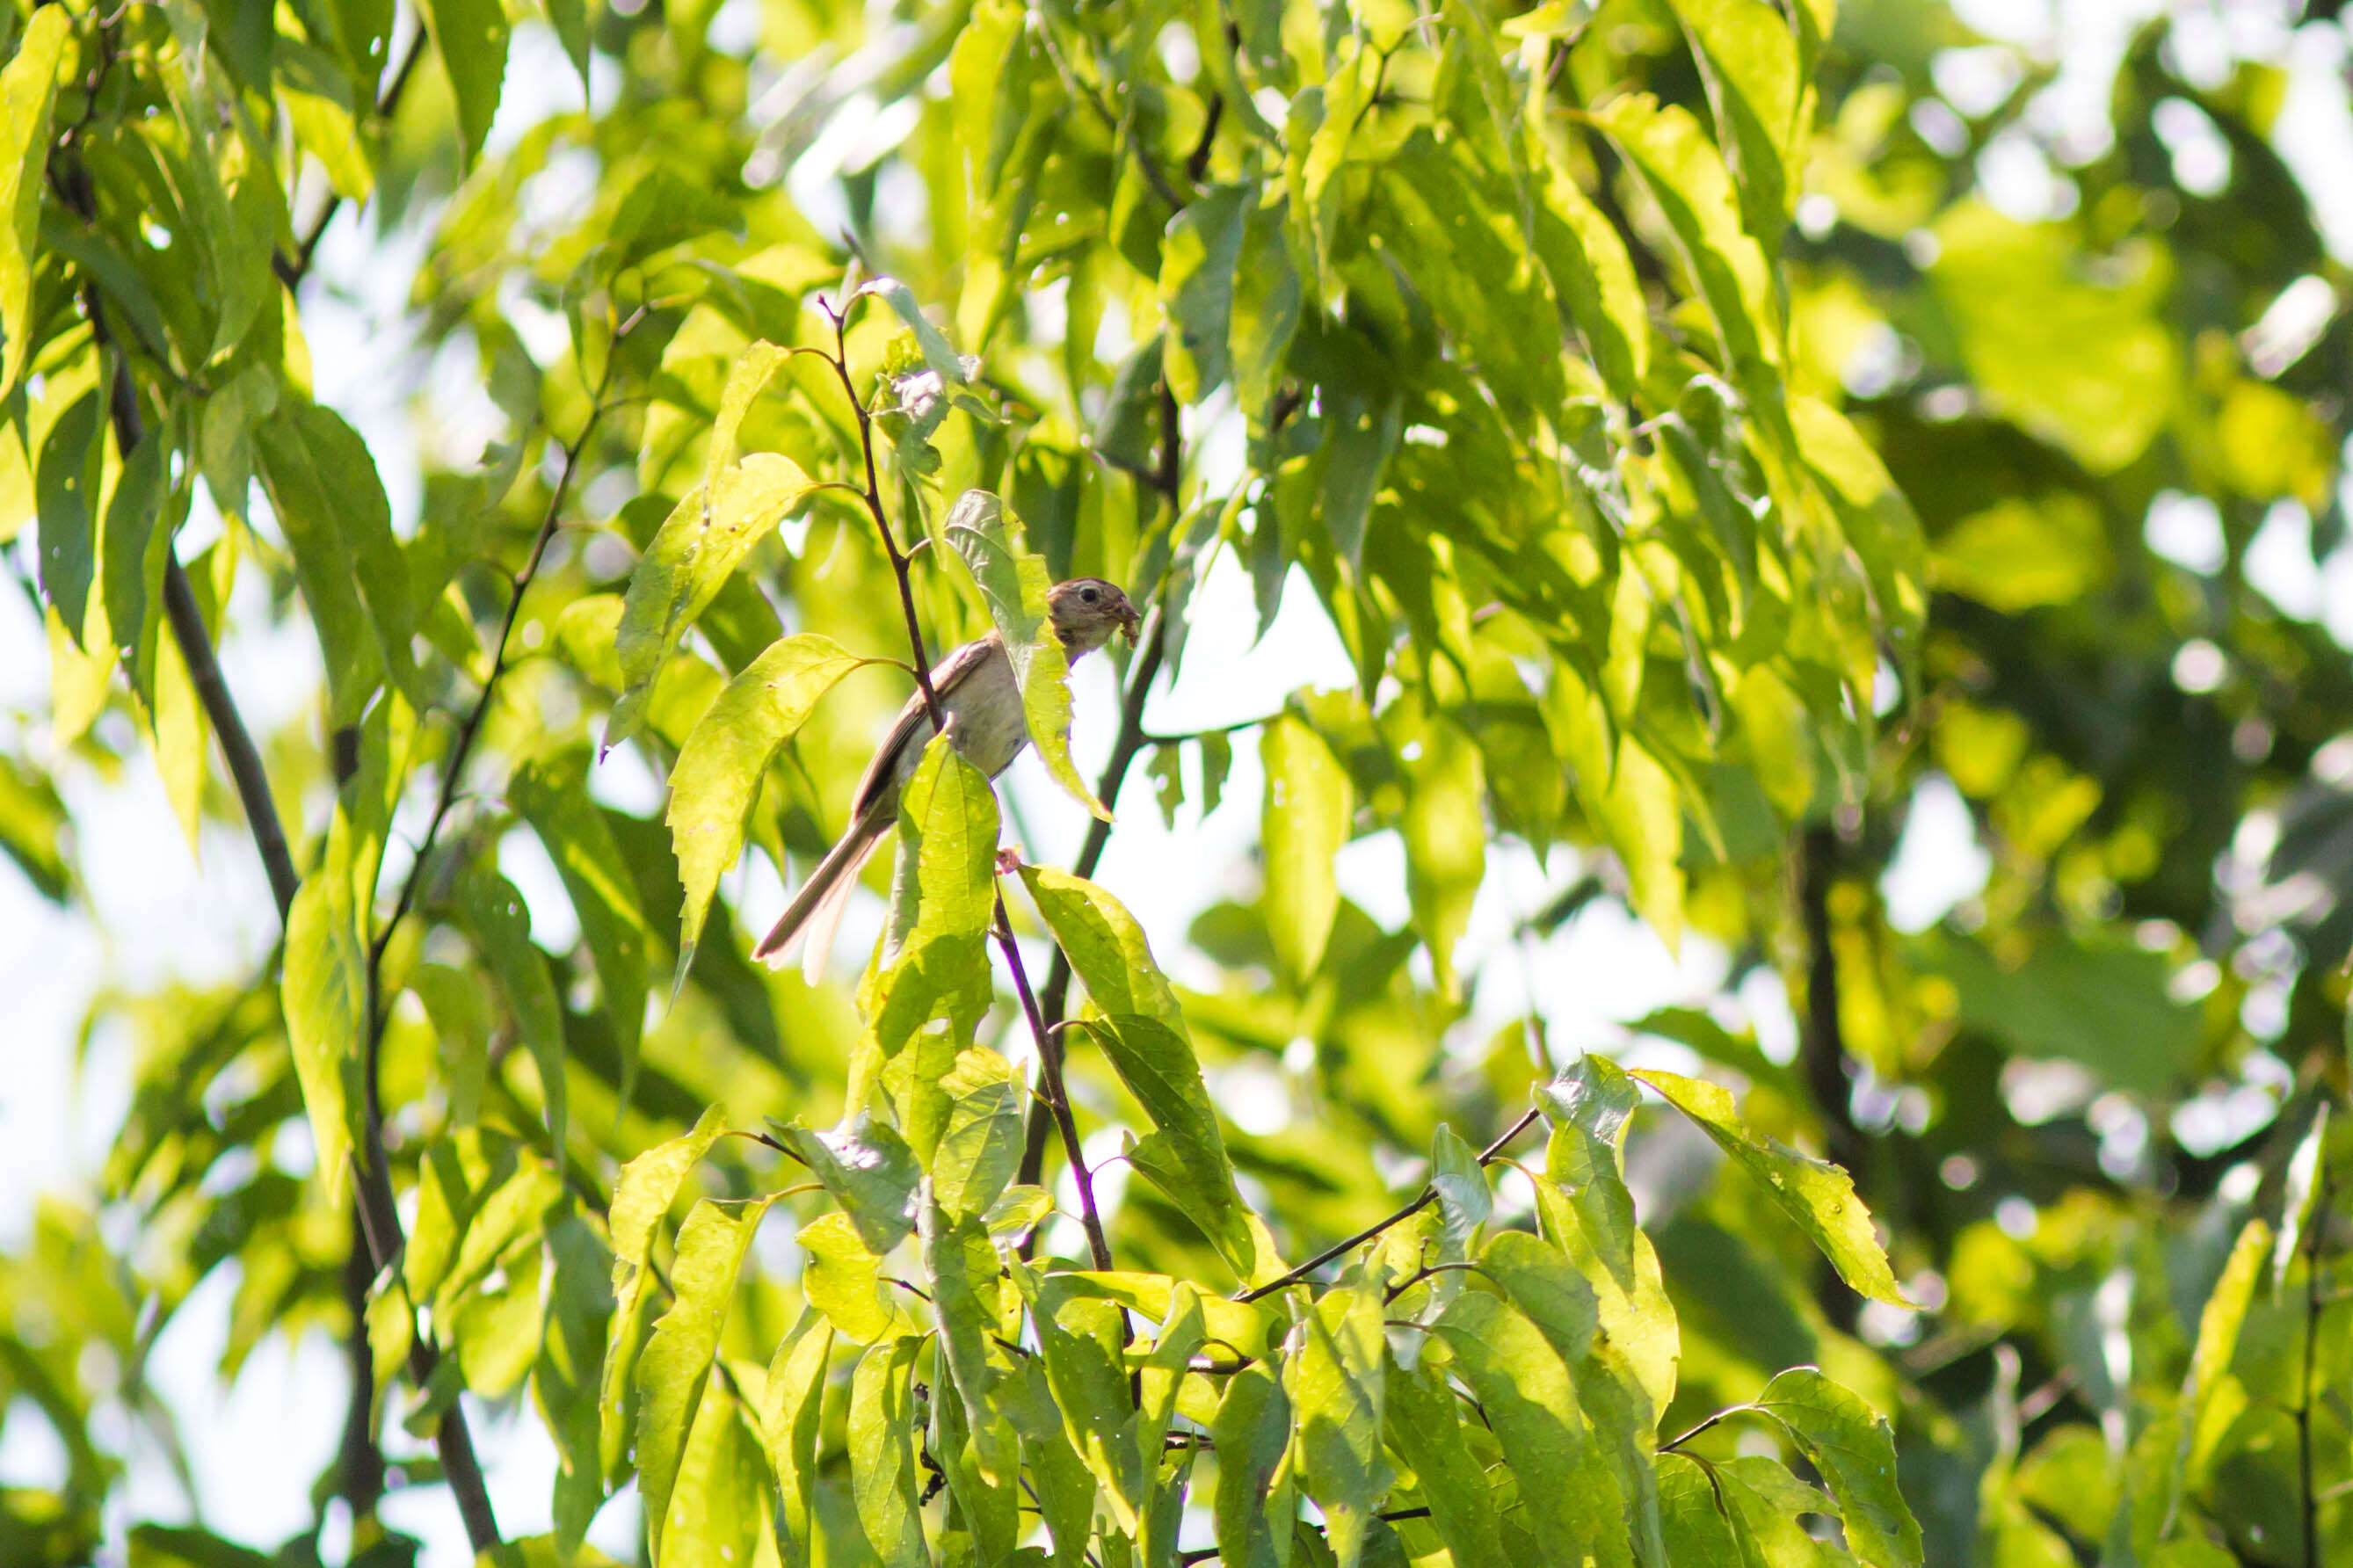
(1129, 623)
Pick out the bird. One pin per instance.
(982, 702)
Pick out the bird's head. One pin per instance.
(1086, 611)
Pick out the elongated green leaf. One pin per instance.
(647, 1187)
(1592, 276)
(1265, 315)
(2210, 1358)
(1078, 1339)
(1337, 1386)
(495, 913)
(28, 93)
(1768, 1502)
(1541, 1282)
(1850, 1444)
(1197, 287)
(1464, 1200)
(1748, 58)
(1305, 821)
(1445, 832)
(133, 549)
(1065, 1487)
(1013, 583)
(870, 1173)
(746, 378)
(722, 1491)
(677, 1361)
(939, 354)
(979, 1148)
(1425, 1425)
(470, 36)
(1571, 1497)
(553, 797)
(1682, 169)
(1142, 1030)
(695, 550)
(33, 824)
(2296, 1194)
(68, 477)
(791, 1411)
(961, 1266)
(883, 1452)
(569, 1371)
(717, 775)
(1254, 1504)
(1817, 1194)
(325, 993)
(1588, 1105)
(1698, 1528)
(324, 488)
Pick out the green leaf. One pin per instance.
(1540, 1281)
(1425, 1425)
(1592, 276)
(132, 552)
(1079, 1340)
(746, 378)
(1464, 1201)
(647, 1187)
(1265, 310)
(1767, 1502)
(1254, 1503)
(570, 20)
(579, 1318)
(1749, 59)
(939, 354)
(961, 1266)
(1850, 1444)
(324, 992)
(883, 1452)
(28, 93)
(722, 1491)
(717, 775)
(791, 1412)
(1142, 1030)
(1817, 1194)
(66, 479)
(677, 1361)
(870, 1173)
(470, 36)
(1305, 821)
(1445, 832)
(552, 794)
(2210, 1358)
(695, 550)
(1336, 1387)
(2103, 1006)
(1197, 287)
(1698, 1528)
(1685, 174)
(2297, 1192)
(495, 914)
(934, 962)
(1589, 1104)
(323, 487)
(1571, 1498)
(979, 1149)
(842, 1279)
(1013, 583)
(33, 827)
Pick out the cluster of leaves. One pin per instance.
(1489, 328)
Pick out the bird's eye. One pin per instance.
(1088, 595)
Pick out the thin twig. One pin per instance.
(2311, 1501)
(874, 495)
(1429, 1195)
(1057, 1091)
(1155, 738)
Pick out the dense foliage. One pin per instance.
(1708, 482)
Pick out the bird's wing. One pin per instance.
(912, 731)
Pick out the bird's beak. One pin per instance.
(1129, 623)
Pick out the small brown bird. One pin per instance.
(985, 724)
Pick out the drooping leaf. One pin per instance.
(676, 1364)
(718, 772)
(28, 93)
(1337, 1390)
(579, 1318)
(883, 1452)
(842, 1279)
(1817, 1194)
(695, 550)
(790, 1413)
(1425, 1425)
(1748, 58)
(470, 36)
(1013, 583)
(1142, 1030)
(1305, 821)
(1464, 1200)
(1589, 1104)
(647, 1187)
(1254, 1504)
(869, 1171)
(501, 923)
(325, 993)
(1855, 1450)
(68, 477)
(553, 795)
(2210, 1358)
(1198, 287)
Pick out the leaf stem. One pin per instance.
(1429, 1195)
(2309, 1498)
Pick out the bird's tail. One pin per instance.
(810, 921)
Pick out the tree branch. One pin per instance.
(1429, 1195)
(1057, 1093)
(293, 271)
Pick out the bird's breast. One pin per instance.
(984, 722)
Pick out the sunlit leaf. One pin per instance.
(28, 91)
(1306, 821)
(1853, 1448)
